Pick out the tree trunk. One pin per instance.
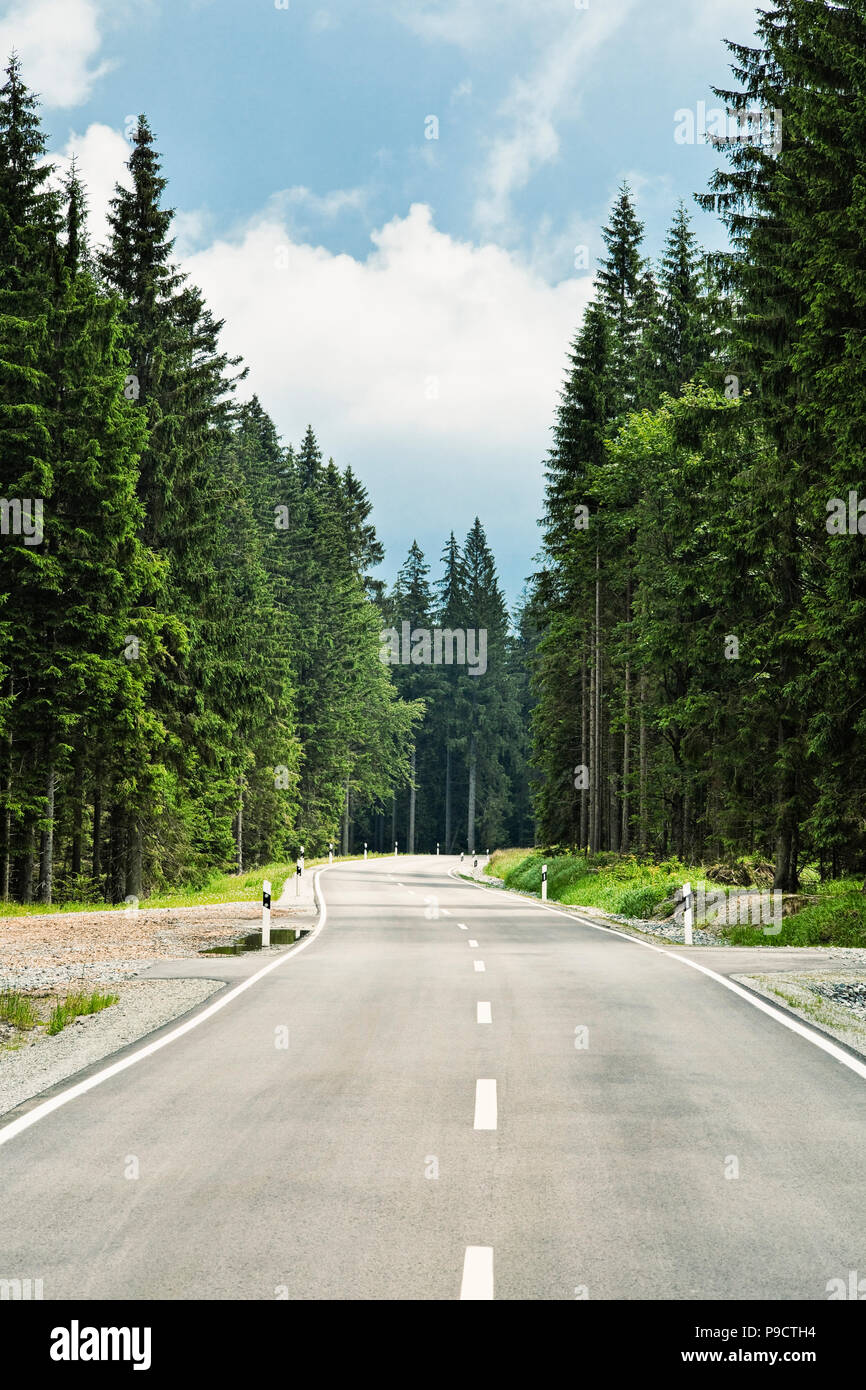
(593, 766)
(470, 818)
(584, 754)
(613, 830)
(46, 856)
(410, 846)
(77, 815)
(642, 789)
(134, 858)
(26, 893)
(96, 856)
(626, 769)
(345, 849)
(596, 835)
(7, 817)
(240, 825)
(447, 796)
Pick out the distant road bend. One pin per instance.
(479, 1098)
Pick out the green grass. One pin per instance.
(627, 887)
(75, 1005)
(839, 919)
(17, 1009)
(220, 888)
(612, 883)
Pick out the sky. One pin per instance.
(387, 203)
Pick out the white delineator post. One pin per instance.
(395, 849)
(266, 913)
(365, 849)
(437, 846)
(330, 854)
(688, 917)
(544, 883)
(298, 872)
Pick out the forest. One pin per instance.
(697, 619)
(191, 630)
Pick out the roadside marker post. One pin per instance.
(266, 913)
(544, 883)
(395, 849)
(365, 849)
(475, 864)
(330, 854)
(437, 846)
(298, 872)
(688, 915)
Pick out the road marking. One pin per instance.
(483, 1012)
(479, 964)
(462, 926)
(473, 945)
(485, 1105)
(477, 1272)
(445, 912)
(786, 1020)
(39, 1112)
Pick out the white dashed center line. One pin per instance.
(477, 1272)
(462, 927)
(483, 1012)
(485, 1105)
(473, 945)
(479, 964)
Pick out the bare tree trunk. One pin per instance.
(240, 825)
(447, 796)
(470, 818)
(642, 794)
(77, 815)
(46, 856)
(7, 817)
(593, 765)
(96, 855)
(626, 769)
(134, 856)
(596, 835)
(411, 846)
(613, 829)
(345, 849)
(27, 866)
(584, 754)
(393, 819)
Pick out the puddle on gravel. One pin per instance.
(280, 936)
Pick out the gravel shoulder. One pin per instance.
(833, 1000)
(93, 948)
(144, 1005)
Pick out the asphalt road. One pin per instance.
(624, 1127)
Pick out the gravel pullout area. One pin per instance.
(144, 1005)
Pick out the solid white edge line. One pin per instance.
(787, 1020)
(477, 1280)
(39, 1112)
(486, 1112)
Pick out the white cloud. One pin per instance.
(537, 103)
(101, 154)
(433, 357)
(327, 205)
(57, 41)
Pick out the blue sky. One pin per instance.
(411, 297)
